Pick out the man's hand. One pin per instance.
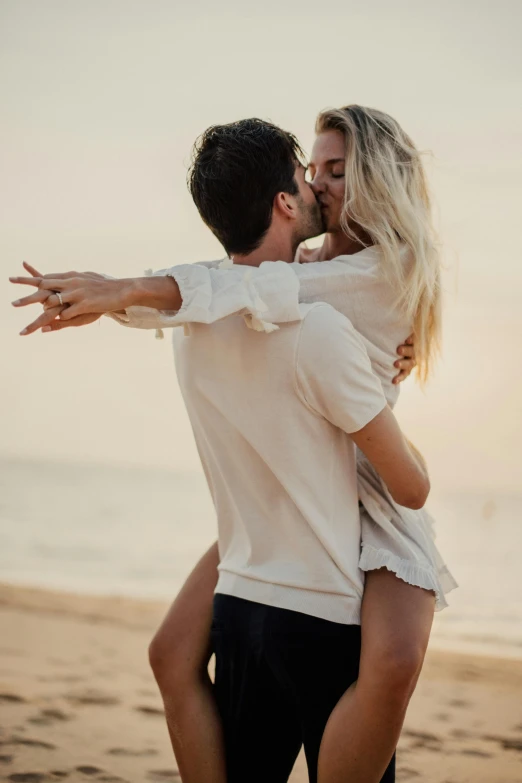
(407, 361)
(85, 296)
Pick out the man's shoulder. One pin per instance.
(220, 262)
(320, 318)
(326, 334)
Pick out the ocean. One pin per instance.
(132, 531)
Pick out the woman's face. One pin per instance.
(326, 173)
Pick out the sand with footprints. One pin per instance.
(78, 702)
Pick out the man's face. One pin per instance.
(310, 222)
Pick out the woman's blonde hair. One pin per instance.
(387, 196)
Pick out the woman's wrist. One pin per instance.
(157, 292)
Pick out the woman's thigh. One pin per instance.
(396, 620)
(185, 631)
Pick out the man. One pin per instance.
(275, 419)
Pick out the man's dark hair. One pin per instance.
(236, 172)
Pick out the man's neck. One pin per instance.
(271, 249)
(336, 243)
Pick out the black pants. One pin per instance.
(279, 674)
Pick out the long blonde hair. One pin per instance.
(387, 196)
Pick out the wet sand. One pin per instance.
(78, 702)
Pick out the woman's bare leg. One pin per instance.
(363, 730)
(179, 656)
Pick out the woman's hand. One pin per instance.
(85, 297)
(407, 362)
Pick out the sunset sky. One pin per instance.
(101, 102)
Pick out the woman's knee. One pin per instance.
(163, 655)
(398, 663)
(177, 656)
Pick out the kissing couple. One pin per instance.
(317, 600)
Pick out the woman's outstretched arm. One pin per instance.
(189, 293)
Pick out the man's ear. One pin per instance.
(285, 205)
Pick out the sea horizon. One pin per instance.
(136, 532)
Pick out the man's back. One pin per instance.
(270, 415)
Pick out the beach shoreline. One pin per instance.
(78, 700)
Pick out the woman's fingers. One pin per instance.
(34, 281)
(83, 307)
(61, 275)
(405, 367)
(405, 364)
(52, 301)
(32, 271)
(49, 283)
(80, 320)
(40, 296)
(401, 377)
(43, 320)
(407, 351)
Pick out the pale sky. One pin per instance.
(100, 104)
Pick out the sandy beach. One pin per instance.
(78, 702)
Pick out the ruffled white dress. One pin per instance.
(400, 539)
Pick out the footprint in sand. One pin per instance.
(473, 752)
(92, 697)
(49, 717)
(507, 743)
(164, 774)
(511, 744)
(421, 735)
(11, 698)
(460, 734)
(424, 740)
(31, 743)
(29, 777)
(6, 759)
(150, 710)
(131, 752)
(87, 769)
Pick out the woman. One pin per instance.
(369, 179)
